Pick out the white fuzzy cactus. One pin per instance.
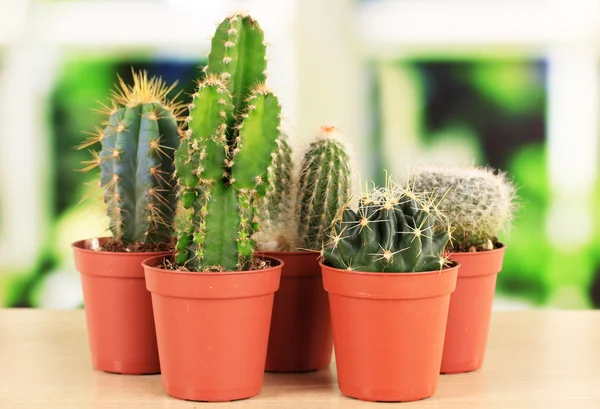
(478, 202)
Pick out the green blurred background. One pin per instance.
(481, 110)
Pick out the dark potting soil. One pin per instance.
(255, 264)
(119, 247)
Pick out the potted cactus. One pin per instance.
(136, 160)
(297, 213)
(479, 204)
(213, 300)
(389, 288)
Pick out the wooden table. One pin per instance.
(536, 359)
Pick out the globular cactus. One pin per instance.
(392, 231)
(222, 163)
(324, 186)
(137, 161)
(478, 202)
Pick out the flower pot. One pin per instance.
(300, 338)
(212, 329)
(118, 310)
(470, 310)
(388, 331)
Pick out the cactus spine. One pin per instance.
(222, 164)
(137, 160)
(324, 186)
(392, 231)
(478, 202)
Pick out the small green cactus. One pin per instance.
(392, 231)
(478, 202)
(299, 210)
(137, 160)
(223, 162)
(324, 185)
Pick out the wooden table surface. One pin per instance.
(536, 359)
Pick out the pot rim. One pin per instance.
(79, 246)
(145, 264)
(455, 264)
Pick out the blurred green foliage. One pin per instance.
(496, 108)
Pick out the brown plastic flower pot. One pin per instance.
(388, 331)
(300, 338)
(470, 310)
(118, 310)
(212, 329)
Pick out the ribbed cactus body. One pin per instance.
(392, 231)
(237, 57)
(478, 203)
(279, 193)
(137, 160)
(223, 161)
(324, 186)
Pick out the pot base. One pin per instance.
(128, 368)
(387, 395)
(450, 368)
(209, 395)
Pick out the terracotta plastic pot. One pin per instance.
(118, 310)
(470, 310)
(388, 331)
(300, 338)
(212, 329)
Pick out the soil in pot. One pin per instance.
(300, 337)
(388, 331)
(470, 310)
(118, 309)
(212, 329)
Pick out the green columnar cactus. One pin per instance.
(280, 189)
(137, 160)
(392, 231)
(324, 185)
(238, 58)
(478, 202)
(222, 164)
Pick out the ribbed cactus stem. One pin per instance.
(222, 179)
(324, 186)
(278, 197)
(137, 160)
(392, 231)
(238, 57)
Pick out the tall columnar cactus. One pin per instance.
(478, 202)
(392, 231)
(137, 160)
(324, 185)
(222, 164)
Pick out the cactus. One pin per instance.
(478, 202)
(274, 215)
(323, 187)
(298, 212)
(222, 163)
(137, 160)
(392, 231)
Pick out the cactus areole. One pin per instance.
(222, 163)
(136, 163)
